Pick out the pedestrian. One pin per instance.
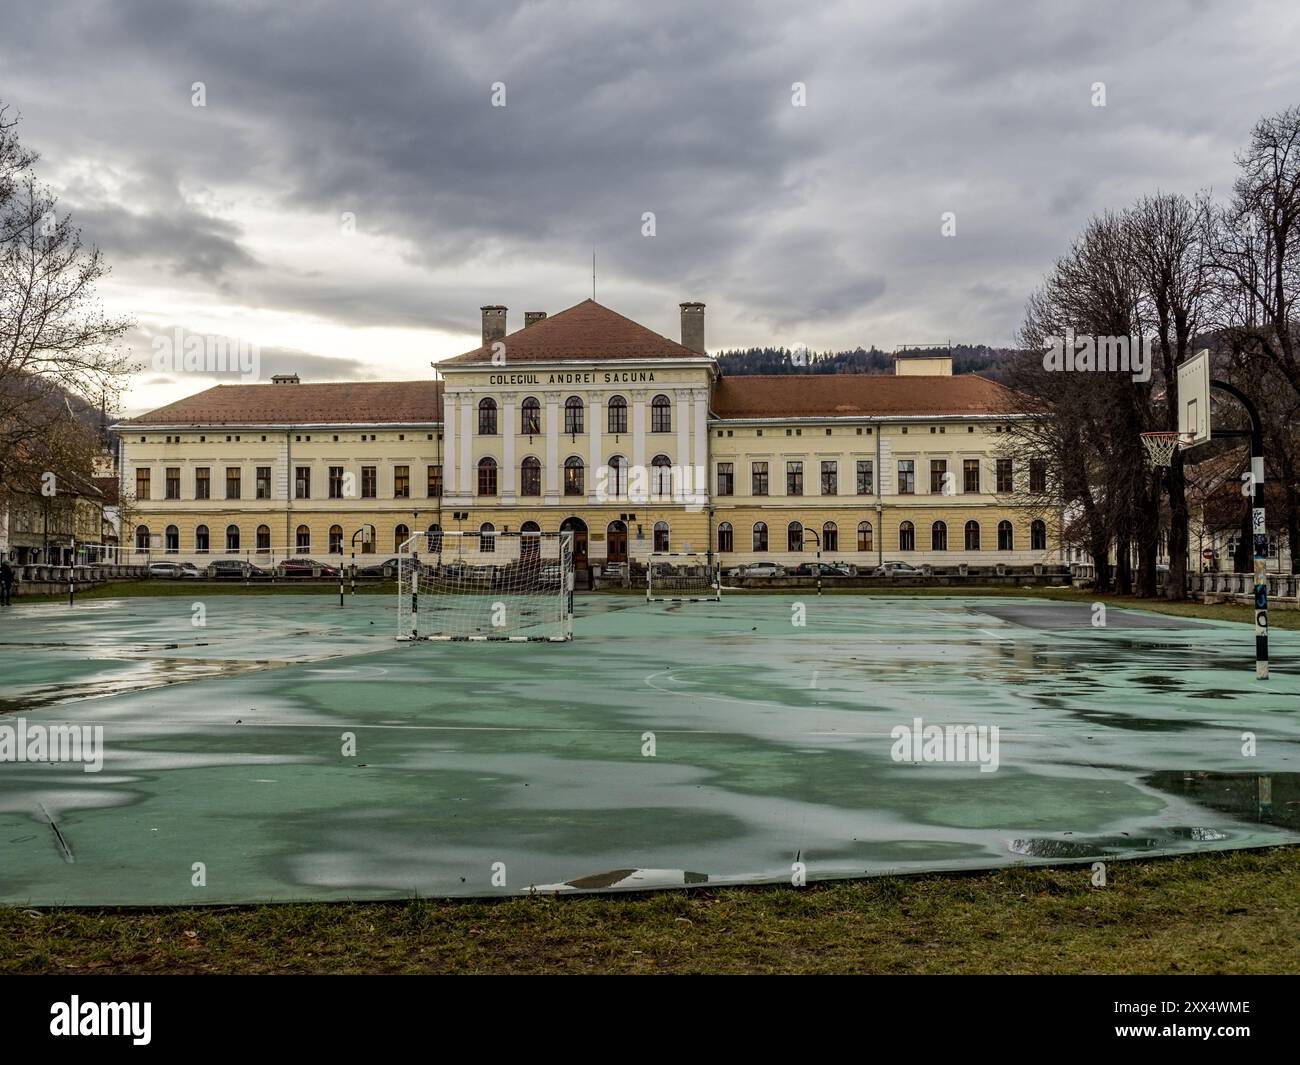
(6, 582)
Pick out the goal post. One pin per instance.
(683, 577)
(504, 586)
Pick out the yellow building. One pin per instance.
(590, 422)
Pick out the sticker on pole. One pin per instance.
(1257, 520)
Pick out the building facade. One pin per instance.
(589, 422)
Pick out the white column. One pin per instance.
(701, 482)
(640, 476)
(507, 428)
(594, 460)
(551, 471)
(683, 457)
(449, 481)
(468, 482)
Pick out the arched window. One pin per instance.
(487, 540)
(487, 416)
(830, 537)
(530, 477)
(1038, 535)
(573, 479)
(264, 539)
(573, 415)
(617, 414)
(907, 536)
(661, 475)
(530, 417)
(530, 543)
(487, 477)
(232, 539)
(142, 538)
(171, 540)
(400, 535)
(661, 415)
(434, 536)
(939, 536)
(972, 536)
(726, 538)
(618, 477)
(760, 536)
(336, 539)
(1006, 538)
(302, 539)
(201, 540)
(661, 536)
(866, 539)
(794, 536)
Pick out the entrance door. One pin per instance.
(616, 542)
(579, 529)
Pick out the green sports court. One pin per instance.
(292, 749)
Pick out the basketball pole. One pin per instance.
(1259, 530)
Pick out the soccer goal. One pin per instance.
(683, 577)
(508, 586)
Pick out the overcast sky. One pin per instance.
(819, 224)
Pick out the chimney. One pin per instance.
(494, 323)
(533, 317)
(693, 326)
(284, 379)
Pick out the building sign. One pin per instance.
(581, 377)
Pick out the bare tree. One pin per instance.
(58, 347)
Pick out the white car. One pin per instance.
(761, 569)
(172, 570)
(896, 569)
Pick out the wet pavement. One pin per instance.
(290, 749)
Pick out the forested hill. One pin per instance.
(966, 358)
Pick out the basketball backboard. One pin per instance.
(1193, 397)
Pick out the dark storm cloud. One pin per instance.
(823, 218)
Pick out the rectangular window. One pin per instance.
(758, 478)
(369, 482)
(1004, 475)
(435, 482)
(232, 482)
(173, 482)
(263, 482)
(830, 478)
(794, 478)
(487, 478)
(866, 477)
(726, 479)
(302, 482)
(938, 471)
(1037, 475)
(141, 484)
(970, 471)
(202, 483)
(906, 477)
(336, 482)
(401, 482)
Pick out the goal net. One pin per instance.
(486, 586)
(683, 577)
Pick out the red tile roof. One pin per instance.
(863, 395)
(358, 402)
(586, 331)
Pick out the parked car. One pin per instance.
(549, 577)
(896, 569)
(174, 570)
(233, 569)
(761, 569)
(812, 569)
(378, 569)
(303, 567)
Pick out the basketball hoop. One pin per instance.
(1161, 447)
